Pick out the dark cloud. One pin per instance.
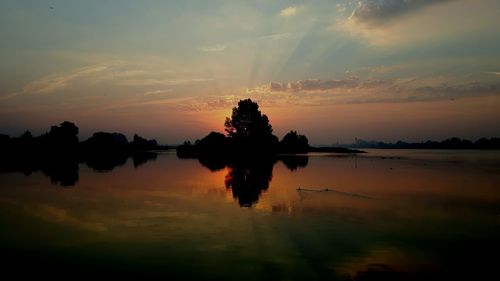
(356, 90)
(455, 91)
(323, 85)
(276, 87)
(311, 85)
(376, 12)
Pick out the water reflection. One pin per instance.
(177, 218)
(64, 170)
(61, 170)
(107, 162)
(247, 178)
(381, 272)
(213, 164)
(294, 162)
(141, 158)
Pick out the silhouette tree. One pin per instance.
(213, 141)
(65, 134)
(247, 121)
(60, 139)
(294, 143)
(104, 151)
(26, 142)
(26, 135)
(58, 153)
(249, 127)
(140, 143)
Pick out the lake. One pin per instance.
(383, 215)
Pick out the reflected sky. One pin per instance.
(393, 215)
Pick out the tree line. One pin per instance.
(58, 152)
(450, 143)
(63, 139)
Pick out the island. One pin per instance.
(249, 134)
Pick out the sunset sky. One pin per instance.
(331, 69)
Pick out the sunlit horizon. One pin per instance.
(332, 70)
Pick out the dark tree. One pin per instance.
(214, 141)
(66, 133)
(26, 135)
(249, 127)
(247, 121)
(294, 143)
(60, 139)
(104, 151)
(249, 134)
(107, 142)
(484, 143)
(140, 143)
(26, 141)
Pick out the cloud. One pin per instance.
(59, 81)
(213, 48)
(413, 22)
(157, 92)
(162, 81)
(62, 216)
(356, 91)
(493, 73)
(183, 103)
(289, 11)
(106, 75)
(322, 85)
(377, 12)
(340, 8)
(277, 36)
(455, 91)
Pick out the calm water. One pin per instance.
(387, 215)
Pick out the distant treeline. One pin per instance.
(58, 152)
(451, 143)
(64, 139)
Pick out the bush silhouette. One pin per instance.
(140, 143)
(294, 143)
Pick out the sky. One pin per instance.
(333, 70)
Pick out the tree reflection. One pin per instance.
(248, 177)
(64, 170)
(294, 162)
(141, 157)
(214, 164)
(58, 152)
(106, 162)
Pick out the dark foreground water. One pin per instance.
(387, 215)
